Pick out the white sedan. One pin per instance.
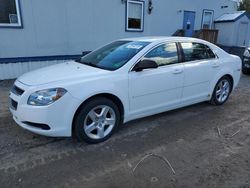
(122, 81)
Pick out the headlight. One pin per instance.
(46, 97)
(247, 53)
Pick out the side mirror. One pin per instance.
(145, 64)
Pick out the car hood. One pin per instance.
(60, 72)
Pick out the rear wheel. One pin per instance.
(222, 91)
(97, 120)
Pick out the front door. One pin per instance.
(154, 90)
(188, 23)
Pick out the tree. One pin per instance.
(245, 5)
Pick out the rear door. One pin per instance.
(200, 65)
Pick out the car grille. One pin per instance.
(16, 90)
(13, 104)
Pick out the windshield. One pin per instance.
(114, 55)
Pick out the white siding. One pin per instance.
(13, 70)
(63, 27)
(226, 33)
(229, 32)
(68, 27)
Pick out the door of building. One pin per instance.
(188, 23)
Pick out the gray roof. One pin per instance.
(231, 17)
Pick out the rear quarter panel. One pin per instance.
(229, 65)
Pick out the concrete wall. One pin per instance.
(229, 32)
(68, 27)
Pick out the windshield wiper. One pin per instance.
(90, 64)
(78, 60)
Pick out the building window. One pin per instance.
(207, 19)
(135, 16)
(10, 15)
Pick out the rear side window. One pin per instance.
(165, 54)
(196, 51)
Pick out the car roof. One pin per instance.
(156, 39)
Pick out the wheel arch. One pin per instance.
(109, 96)
(215, 81)
(231, 80)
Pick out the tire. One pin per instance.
(246, 71)
(222, 91)
(96, 120)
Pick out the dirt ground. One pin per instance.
(197, 146)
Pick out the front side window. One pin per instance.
(114, 55)
(135, 14)
(10, 13)
(207, 20)
(196, 51)
(165, 54)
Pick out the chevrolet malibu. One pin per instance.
(122, 81)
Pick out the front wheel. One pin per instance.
(97, 120)
(222, 91)
(246, 71)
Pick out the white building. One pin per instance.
(234, 29)
(38, 30)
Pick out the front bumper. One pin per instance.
(57, 117)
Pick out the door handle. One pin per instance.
(177, 71)
(215, 65)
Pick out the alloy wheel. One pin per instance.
(99, 122)
(222, 90)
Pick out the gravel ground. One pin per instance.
(197, 146)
